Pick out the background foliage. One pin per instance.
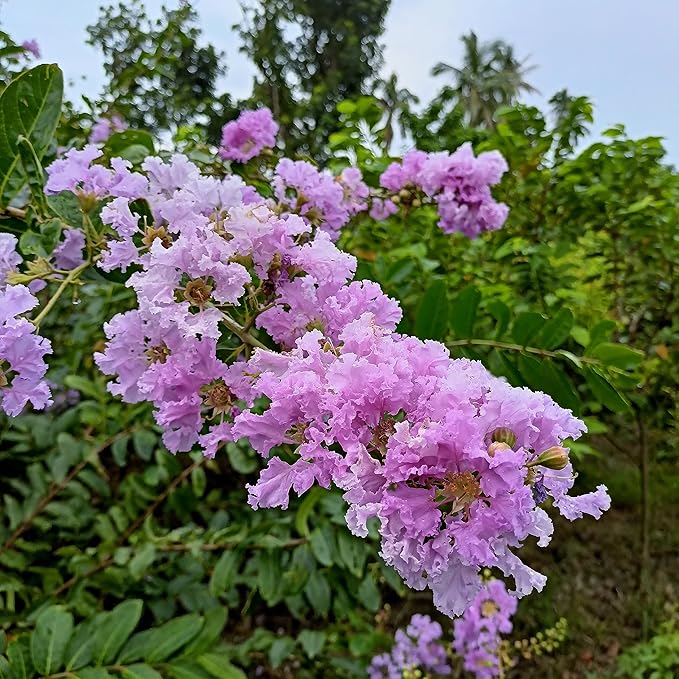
(121, 560)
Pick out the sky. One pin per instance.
(623, 54)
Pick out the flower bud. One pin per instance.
(396, 199)
(504, 435)
(555, 457)
(496, 447)
(404, 193)
(416, 202)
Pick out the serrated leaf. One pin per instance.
(224, 573)
(555, 331)
(463, 312)
(431, 319)
(114, 630)
(52, 632)
(29, 106)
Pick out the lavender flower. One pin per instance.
(416, 647)
(105, 127)
(32, 47)
(248, 135)
(22, 351)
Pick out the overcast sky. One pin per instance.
(624, 54)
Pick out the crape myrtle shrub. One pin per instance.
(200, 299)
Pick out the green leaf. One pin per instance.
(79, 651)
(19, 659)
(431, 320)
(198, 481)
(321, 546)
(545, 375)
(219, 666)
(120, 143)
(142, 559)
(224, 573)
(555, 331)
(526, 326)
(317, 591)
(312, 641)
(140, 671)
(52, 632)
(174, 634)
(305, 508)
(501, 314)
(188, 670)
(144, 442)
(29, 106)
(369, 594)
(280, 650)
(269, 580)
(605, 392)
(214, 621)
(114, 630)
(93, 673)
(618, 355)
(463, 312)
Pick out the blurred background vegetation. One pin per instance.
(576, 296)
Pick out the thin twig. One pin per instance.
(108, 560)
(56, 488)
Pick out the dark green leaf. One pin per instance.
(463, 312)
(555, 331)
(224, 573)
(49, 639)
(312, 641)
(140, 671)
(219, 666)
(213, 624)
(526, 327)
(618, 355)
(431, 320)
(280, 649)
(29, 106)
(605, 392)
(114, 630)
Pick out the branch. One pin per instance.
(241, 332)
(60, 290)
(108, 560)
(56, 488)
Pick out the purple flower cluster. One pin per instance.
(450, 462)
(458, 183)
(77, 172)
(416, 430)
(322, 200)
(248, 135)
(416, 647)
(105, 127)
(22, 351)
(477, 633)
(9, 257)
